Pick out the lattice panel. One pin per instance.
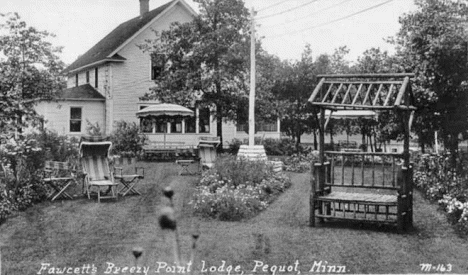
(342, 92)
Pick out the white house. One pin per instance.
(105, 83)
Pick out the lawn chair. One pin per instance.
(59, 176)
(128, 180)
(184, 158)
(94, 154)
(207, 151)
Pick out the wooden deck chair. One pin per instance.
(59, 176)
(95, 163)
(128, 180)
(207, 151)
(207, 154)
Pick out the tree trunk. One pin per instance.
(364, 145)
(298, 140)
(315, 140)
(219, 127)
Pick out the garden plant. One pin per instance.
(235, 189)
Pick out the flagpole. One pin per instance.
(252, 82)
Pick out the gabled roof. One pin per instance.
(105, 49)
(364, 92)
(82, 92)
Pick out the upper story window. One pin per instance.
(158, 62)
(87, 76)
(76, 80)
(96, 77)
(75, 119)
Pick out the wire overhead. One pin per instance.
(308, 15)
(291, 9)
(332, 21)
(274, 5)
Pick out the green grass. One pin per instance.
(73, 233)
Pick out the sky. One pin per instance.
(285, 26)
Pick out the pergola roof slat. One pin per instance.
(357, 91)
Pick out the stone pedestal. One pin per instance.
(256, 152)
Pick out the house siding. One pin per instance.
(57, 115)
(131, 79)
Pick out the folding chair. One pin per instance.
(128, 180)
(207, 151)
(184, 158)
(59, 176)
(95, 163)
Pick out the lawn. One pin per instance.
(82, 232)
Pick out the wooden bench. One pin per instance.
(376, 189)
(161, 150)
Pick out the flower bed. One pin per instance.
(300, 163)
(237, 189)
(439, 181)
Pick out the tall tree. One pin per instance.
(206, 60)
(29, 71)
(376, 61)
(433, 42)
(293, 88)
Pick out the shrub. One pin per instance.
(300, 162)
(127, 139)
(439, 181)
(23, 158)
(236, 189)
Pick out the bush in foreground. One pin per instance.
(237, 189)
(448, 185)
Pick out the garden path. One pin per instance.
(73, 233)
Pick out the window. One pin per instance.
(158, 62)
(76, 80)
(75, 119)
(161, 125)
(190, 124)
(96, 77)
(87, 76)
(146, 125)
(176, 125)
(204, 120)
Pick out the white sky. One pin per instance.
(81, 24)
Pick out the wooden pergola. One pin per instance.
(378, 93)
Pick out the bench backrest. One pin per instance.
(364, 169)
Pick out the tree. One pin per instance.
(29, 71)
(206, 60)
(293, 87)
(433, 42)
(375, 61)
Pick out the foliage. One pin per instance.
(388, 126)
(127, 139)
(93, 129)
(21, 182)
(237, 189)
(432, 43)
(23, 158)
(441, 181)
(300, 162)
(292, 90)
(205, 61)
(29, 71)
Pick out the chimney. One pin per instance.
(144, 7)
